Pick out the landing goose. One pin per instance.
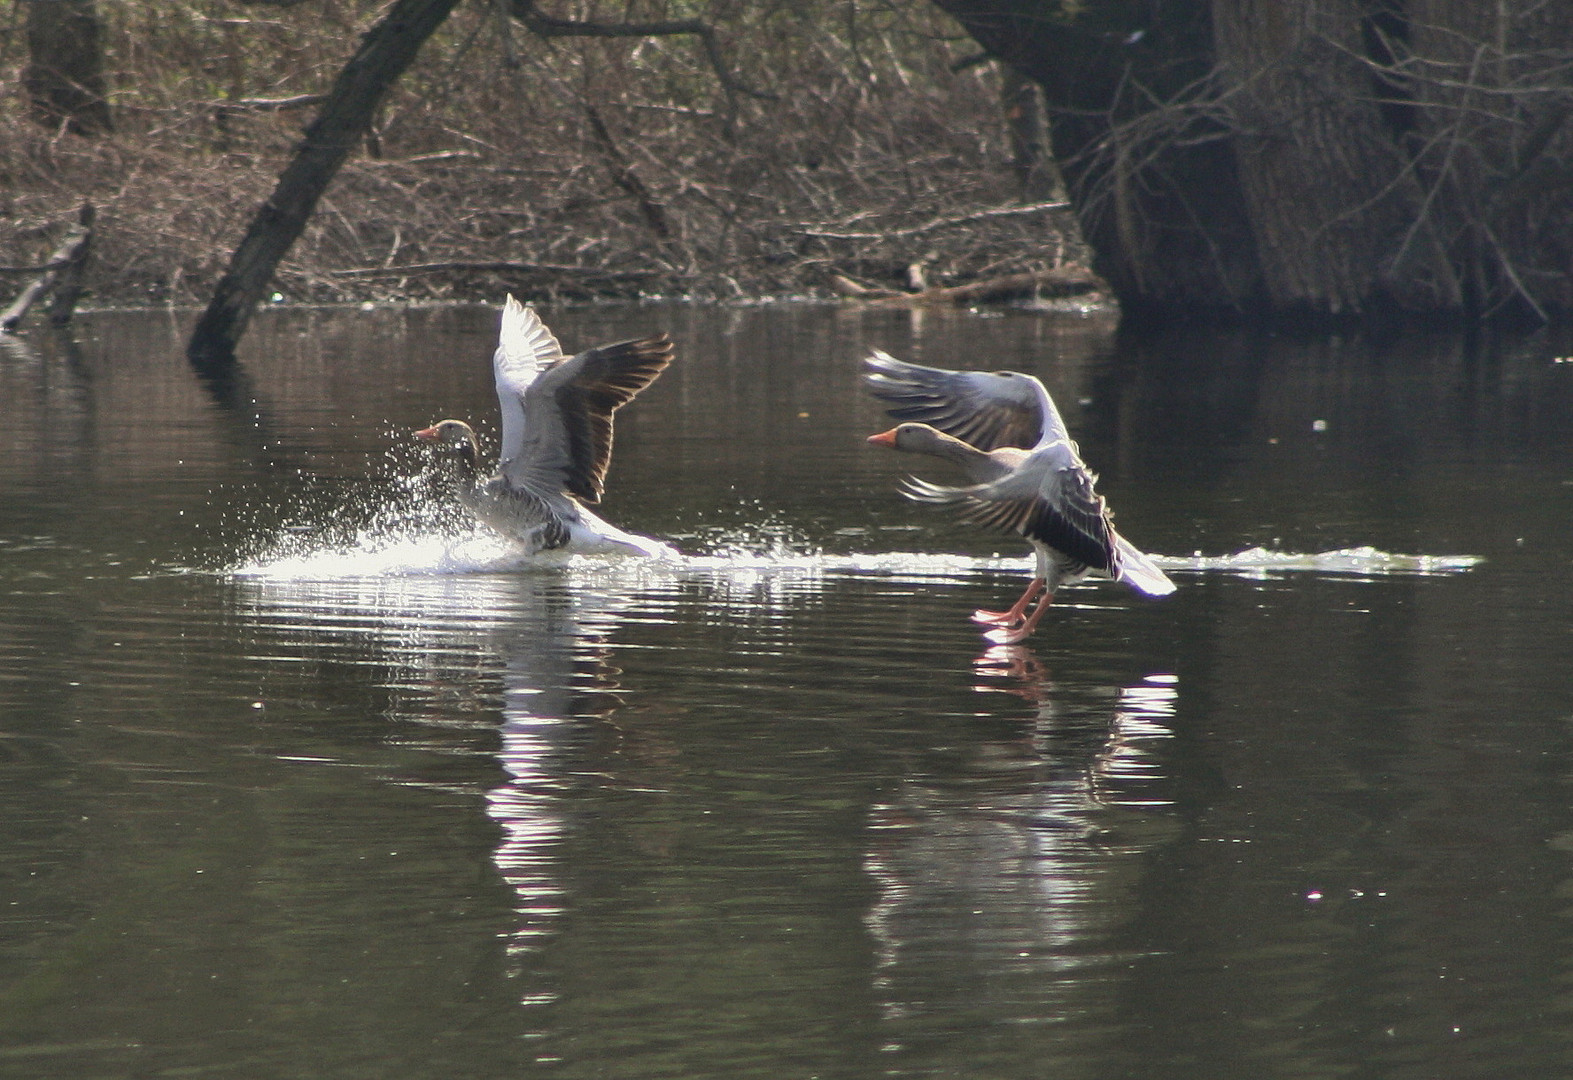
(1024, 475)
(556, 437)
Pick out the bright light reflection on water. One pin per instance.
(479, 551)
(342, 786)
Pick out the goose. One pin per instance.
(556, 438)
(1024, 475)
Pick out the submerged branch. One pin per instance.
(62, 275)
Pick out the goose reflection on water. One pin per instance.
(452, 643)
(1019, 863)
(557, 674)
(1007, 896)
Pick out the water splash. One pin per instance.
(407, 528)
(406, 533)
(1358, 561)
(416, 548)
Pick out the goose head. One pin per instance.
(458, 436)
(914, 438)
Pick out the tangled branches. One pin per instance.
(778, 150)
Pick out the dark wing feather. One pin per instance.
(1078, 528)
(566, 440)
(985, 409)
(1076, 523)
(606, 379)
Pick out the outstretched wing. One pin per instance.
(567, 442)
(984, 408)
(1048, 498)
(525, 348)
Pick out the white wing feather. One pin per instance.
(525, 348)
(987, 409)
(1139, 571)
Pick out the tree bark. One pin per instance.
(1329, 194)
(1309, 159)
(385, 52)
(1155, 190)
(64, 77)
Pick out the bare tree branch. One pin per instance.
(544, 25)
(62, 273)
(930, 226)
(625, 177)
(386, 50)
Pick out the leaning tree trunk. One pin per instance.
(64, 77)
(385, 52)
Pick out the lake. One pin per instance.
(301, 775)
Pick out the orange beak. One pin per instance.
(427, 434)
(884, 438)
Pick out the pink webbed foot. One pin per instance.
(1010, 635)
(1017, 610)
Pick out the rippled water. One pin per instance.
(304, 776)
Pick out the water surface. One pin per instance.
(302, 778)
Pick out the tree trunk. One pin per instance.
(384, 53)
(1332, 201)
(1154, 190)
(1308, 159)
(1031, 159)
(64, 77)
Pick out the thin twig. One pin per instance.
(546, 25)
(940, 223)
(498, 267)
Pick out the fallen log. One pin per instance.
(284, 104)
(490, 266)
(62, 274)
(853, 290)
(1064, 280)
